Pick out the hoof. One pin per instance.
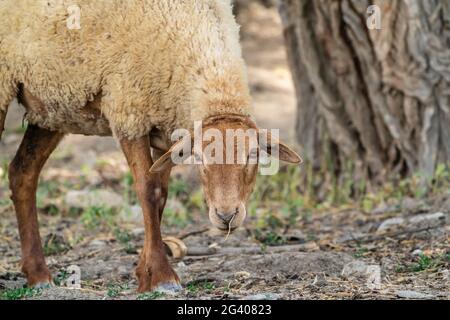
(170, 288)
(175, 247)
(43, 285)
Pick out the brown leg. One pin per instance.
(153, 271)
(36, 147)
(165, 177)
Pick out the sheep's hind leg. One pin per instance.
(153, 271)
(36, 147)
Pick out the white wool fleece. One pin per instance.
(156, 63)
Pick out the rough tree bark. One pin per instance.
(376, 98)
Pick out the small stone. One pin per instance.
(390, 224)
(417, 252)
(408, 294)
(432, 220)
(421, 221)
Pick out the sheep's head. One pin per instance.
(227, 156)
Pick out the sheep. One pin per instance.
(137, 70)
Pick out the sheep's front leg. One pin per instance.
(153, 271)
(36, 147)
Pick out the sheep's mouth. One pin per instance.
(227, 229)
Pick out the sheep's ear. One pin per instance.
(288, 155)
(282, 151)
(177, 154)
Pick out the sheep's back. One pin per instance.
(151, 60)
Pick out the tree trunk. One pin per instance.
(375, 100)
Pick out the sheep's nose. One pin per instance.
(226, 217)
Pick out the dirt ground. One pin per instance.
(398, 250)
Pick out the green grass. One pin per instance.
(53, 246)
(19, 293)
(424, 263)
(94, 217)
(114, 290)
(178, 187)
(150, 295)
(175, 217)
(297, 190)
(125, 239)
(196, 200)
(202, 286)
(284, 199)
(360, 252)
(269, 238)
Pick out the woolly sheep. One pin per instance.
(137, 69)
